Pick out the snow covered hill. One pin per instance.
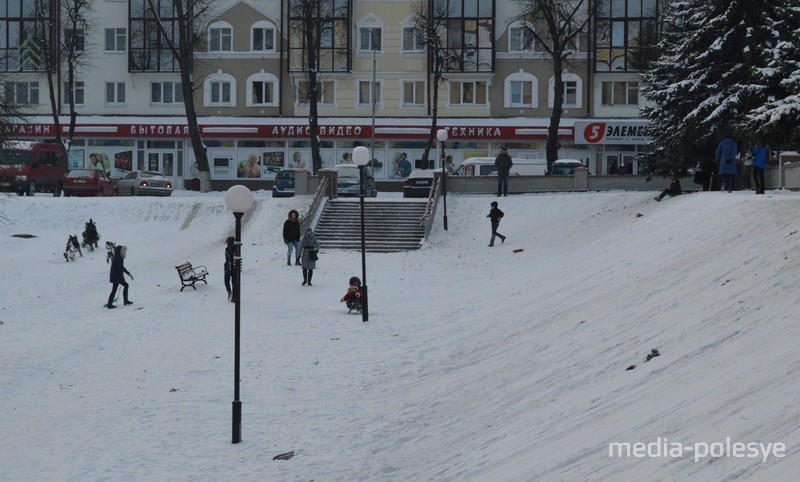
(477, 364)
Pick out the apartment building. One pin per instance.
(375, 79)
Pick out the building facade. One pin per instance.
(375, 83)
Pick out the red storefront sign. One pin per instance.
(272, 129)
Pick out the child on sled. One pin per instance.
(353, 296)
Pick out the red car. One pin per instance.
(89, 182)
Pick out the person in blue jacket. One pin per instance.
(726, 158)
(760, 157)
(116, 277)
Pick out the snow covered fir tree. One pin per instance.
(724, 67)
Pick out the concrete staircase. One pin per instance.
(388, 225)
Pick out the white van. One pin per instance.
(565, 167)
(484, 166)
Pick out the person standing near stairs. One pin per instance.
(291, 237)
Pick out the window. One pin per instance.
(116, 39)
(626, 35)
(21, 25)
(77, 90)
(370, 39)
(115, 92)
(413, 40)
(326, 92)
(369, 93)
(219, 89)
(148, 51)
(521, 90)
(413, 93)
(468, 93)
(263, 37)
(220, 37)
(220, 92)
(74, 38)
(22, 93)
(573, 91)
(467, 26)
(620, 93)
(333, 19)
(520, 38)
(166, 93)
(262, 90)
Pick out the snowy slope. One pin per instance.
(477, 364)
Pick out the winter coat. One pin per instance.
(229, 254)
(118, 265)
(291, 231)
(503, 164)
(675, 188)
(495, 215)
(726, 155)
(760, 156)
(307, 244)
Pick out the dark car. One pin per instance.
(88, 182)
(418, 184)
(144, 183)
(283, 185)
(348, 181)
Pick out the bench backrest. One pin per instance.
(182, 268)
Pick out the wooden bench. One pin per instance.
(190, 275)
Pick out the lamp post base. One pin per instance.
(237, 422)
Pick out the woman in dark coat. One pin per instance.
(309, 245)
(116, 276)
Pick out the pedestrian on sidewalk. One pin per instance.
(291, 237)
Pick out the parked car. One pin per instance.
(348, 181)
(88, 182)
(565, 167)
(283, 185)
(144, 183)
(418, 184)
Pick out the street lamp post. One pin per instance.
(361, 157)
(238, 199)
(441, 135)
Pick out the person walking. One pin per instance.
(503, 164)
(230, 254)
(116, 277)
(308, 256)
(760, 158)
(291, 237)
(495, 215)
(726, 157)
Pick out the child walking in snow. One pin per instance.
(495, 215)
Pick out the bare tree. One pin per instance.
(558, 26)
(49, 48)
(181, 35)
(319, 42)
(430, 24)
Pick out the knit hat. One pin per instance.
(494, 204)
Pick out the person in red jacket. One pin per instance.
(353, 296)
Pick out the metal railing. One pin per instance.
(430, 207)
(308, 217)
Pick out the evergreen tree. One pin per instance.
(776, 122)
(705, 82)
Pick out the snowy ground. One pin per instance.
(477, 364)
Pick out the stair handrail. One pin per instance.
(430, 207)
(308, 217)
